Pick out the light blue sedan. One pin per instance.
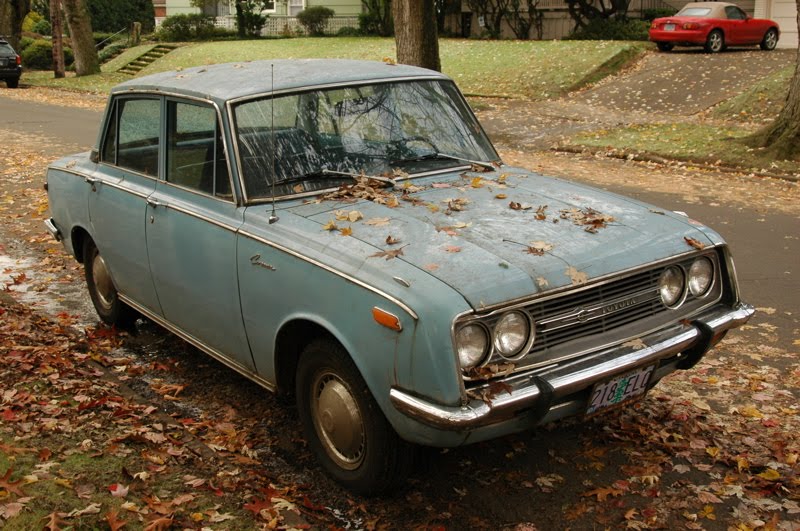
(345, 231)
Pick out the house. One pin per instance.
(281, 13)
(784, 12)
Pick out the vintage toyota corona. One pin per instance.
(345, 231)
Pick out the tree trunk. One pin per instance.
(58, 38)
(782, 137)
(80, 28)
(12, 13)
(241, 29)
(415, 33)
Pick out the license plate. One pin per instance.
(620, 389)
(669, 27)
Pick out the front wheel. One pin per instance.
(102, 291)
(343, 424)
(770, 40)
(715, 42)
(665, 46)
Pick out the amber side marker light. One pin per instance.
(384, 318)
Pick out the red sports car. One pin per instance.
(713, 25)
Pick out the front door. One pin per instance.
(191, 233)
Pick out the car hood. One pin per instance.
(505, 235)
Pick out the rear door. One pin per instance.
(125, 178)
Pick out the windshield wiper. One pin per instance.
(439, 156)
(386, 180)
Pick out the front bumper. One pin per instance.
(563, 390)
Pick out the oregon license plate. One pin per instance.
(618, 390)
(669, 27)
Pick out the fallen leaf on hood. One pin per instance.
(452, 249)
(352, 216)
(388, 254)
(391, 240)
(538, 248)
(431, 267)
(330, 226)
(347, 231)
(576, 277)
(540, 213)
(377, 222)
(500, 196)
(694, 243)
(542, 282)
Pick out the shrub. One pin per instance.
(314, 19)
(186, 28)
(30, 20)
(42, 28)
(24, 42)
(612, 30)
(111, 51)
(372, 24)
(651, 14)
(114, 15)
(348, 31)
(39, 55)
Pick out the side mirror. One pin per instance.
(94, 156)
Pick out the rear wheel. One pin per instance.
(665, 46)
(715, 42)
(770, 40)
(102, 291)
(12, 83)
(343, 424)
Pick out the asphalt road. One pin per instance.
(481, 485)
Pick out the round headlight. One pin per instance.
(701, 273)
(471, 342)
(670, 286)
(511, 334)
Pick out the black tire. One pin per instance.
(102, 291)
(12, 83)
(665, 46)
(367, 457)
(715, 42)
(770, 40)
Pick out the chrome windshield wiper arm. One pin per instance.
(489, 165)
(386, 180)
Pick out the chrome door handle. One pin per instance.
(91, 180)
(153, 203)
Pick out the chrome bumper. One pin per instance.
(546, 395)
(50, 225)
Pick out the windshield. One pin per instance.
(372, 129)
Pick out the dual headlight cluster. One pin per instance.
(676, 283)
(513, 333)
(510, 337)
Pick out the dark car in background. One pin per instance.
(10, 64)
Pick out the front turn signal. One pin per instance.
(384, 318)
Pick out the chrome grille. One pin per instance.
(620, 308)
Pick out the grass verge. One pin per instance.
(690, 142)
(515, 69)
(759, 103)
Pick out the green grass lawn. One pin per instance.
(759, 103)
(517, 69)
(691, 142)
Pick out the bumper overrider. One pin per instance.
(561, 391)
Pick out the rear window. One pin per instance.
(6, 49)
(695, 12)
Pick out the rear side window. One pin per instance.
(132, 136)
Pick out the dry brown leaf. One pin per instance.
(377, 222)
(694, 243)
(391, 240)
(576, 277)
(388, 254)
(452, 249)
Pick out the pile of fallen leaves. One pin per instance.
(79, 449)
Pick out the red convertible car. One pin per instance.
(713, 25)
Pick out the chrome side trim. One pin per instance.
(121, 188)
(217, 355)
(549, 389)
(330, 269)
(230, 228)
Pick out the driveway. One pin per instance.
(661, 87)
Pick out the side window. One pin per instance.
(131, 139)
(195, 153)
(734, 13)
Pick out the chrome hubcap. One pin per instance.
(338, 421)
(772, 39)
(716, 42)
(102, 282)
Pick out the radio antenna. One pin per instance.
(272, 217)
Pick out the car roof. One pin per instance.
(230, 81)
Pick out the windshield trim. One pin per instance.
(230, 104)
